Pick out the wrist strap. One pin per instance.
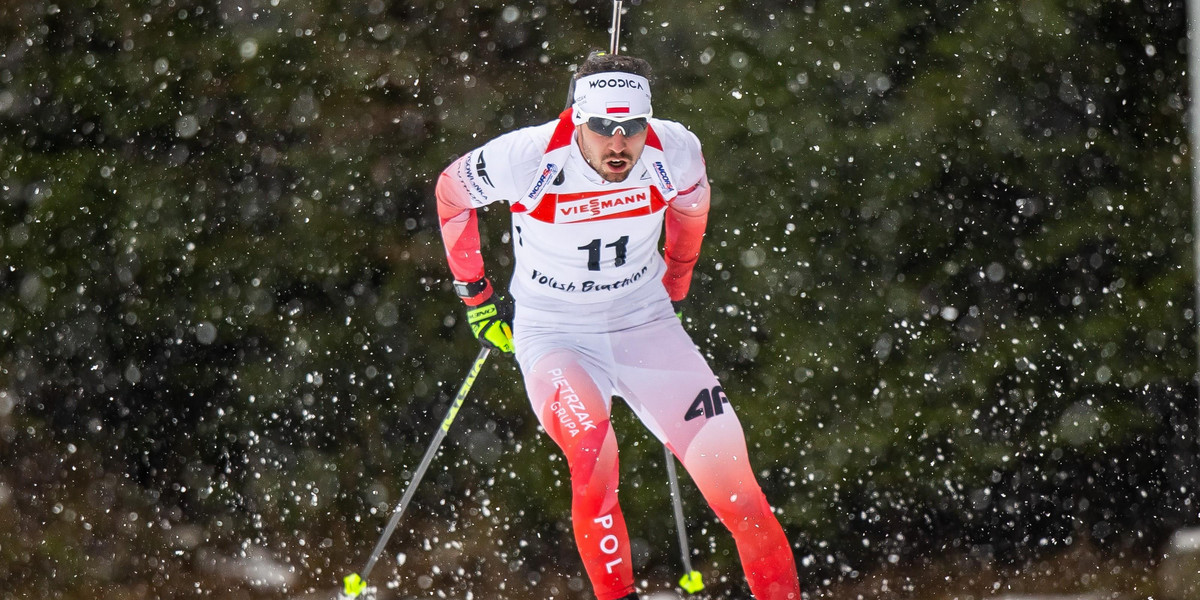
(473, 293)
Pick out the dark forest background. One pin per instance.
(947, 283)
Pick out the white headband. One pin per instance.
(614, 95)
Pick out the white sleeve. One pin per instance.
(503, 169)
(682, 149)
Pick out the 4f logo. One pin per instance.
(481, 168)
(708, 403)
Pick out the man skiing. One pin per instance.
(594, 318)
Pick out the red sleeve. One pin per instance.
(460, 231)
(686, 218)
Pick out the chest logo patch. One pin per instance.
(597, 206)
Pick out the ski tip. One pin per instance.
(691, 582)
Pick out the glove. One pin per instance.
(491, 323)
(677, 305)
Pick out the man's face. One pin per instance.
(611, 156)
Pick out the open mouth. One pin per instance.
(617, 163)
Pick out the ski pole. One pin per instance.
(355, 584)
(614, 45)
(691, 582)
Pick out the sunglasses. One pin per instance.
(609, 127)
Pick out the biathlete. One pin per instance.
(592, 313)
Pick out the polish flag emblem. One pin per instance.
(617, 108)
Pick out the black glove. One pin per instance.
(491, 323)
(677, 305)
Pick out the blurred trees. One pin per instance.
(946, 280)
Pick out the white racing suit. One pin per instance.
(593, 319)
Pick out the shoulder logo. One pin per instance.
(480, 168)
(663, 177)
(542, 180)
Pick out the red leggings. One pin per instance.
(657, 370)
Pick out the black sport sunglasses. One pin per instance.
(609, 127)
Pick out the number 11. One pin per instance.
(593, 249)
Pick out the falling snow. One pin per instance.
(947, 283)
